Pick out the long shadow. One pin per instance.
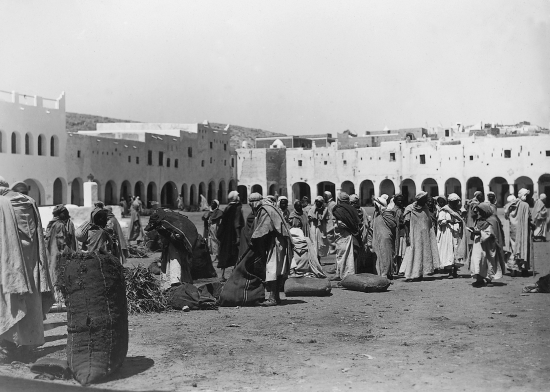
(292, 301)
(131, 367)
(55, 337)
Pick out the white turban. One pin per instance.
(453, 197)
(523, 192)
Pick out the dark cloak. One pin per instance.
(232, 220)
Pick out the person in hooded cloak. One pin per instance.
(212, 221)
(471, 217)
(487, 259)
(229, 233)
(136, 229)
(113, 226)
(26, 290)
(401, 234)
(521, 226)
(348, 236)
(298, 218)
(282, 204)
(317, 217)
(305, 261)
(99, 238)
(383, 240)
(540, 218)
(331, 236)
(492, 199)
(421, 257)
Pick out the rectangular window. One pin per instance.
(78, 153)
(548, 153)
(446, 132)
(176, 163)
(225, 162)
(232, 162)
(167, 162)
(392, 156)
(137, 160)
(422, 159)
(161, 158)
(471, 157)
(211, 145)
(202, 163)
(326, 162)
(190, 152)
(345, 162)
(150, 158)
(507, 153)
(225, 146)
(299, 162)
(129, 158)
(210, 159)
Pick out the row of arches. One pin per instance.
(409, 189)
(28, 147)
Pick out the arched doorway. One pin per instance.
(29, 147)
(151, 193)
(202, 191)
(139, 190)
(299, 190)
(110, 193)
(272, 189)
(408, 190)
(256, 188)
(366, 192)
(193, 195)
(41, 145)
(222, 192)
(523, 182)
(232, 185)
(429, 185)
(243, 194)
(544, 187)
(473, 185)
(211, 191)
(501, 188)
(452, 185)
(387, 188)
(58, 191)
(168, 195)
(327, 186)
(125, 190)
(184, 194)
(348, 187)
(36, 191)
(77, 192)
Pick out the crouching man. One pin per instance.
(271, 241)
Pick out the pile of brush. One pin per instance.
(137, 252)
(143, 291)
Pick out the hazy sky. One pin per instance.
(287, 66)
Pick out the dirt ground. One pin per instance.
(438, 334)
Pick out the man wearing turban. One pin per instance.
(229, 233)
(383, 236)
(540, 217)
(330, 204)
(347, 233)
(520, 228)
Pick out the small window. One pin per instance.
(176, 163)
(232, 162)
(299, 162)
(225, 146)
(422, 159)
(507, 153)
(345, 162)
(446, 132)
(202, 163)
(548, 153)
(471, 157)
(225, 162)
(326, 162)
(129, 158)
(161, 158)
(392, 156)
(150, 158)
(211, 145)
(78, 154)
(190, 152)
(137, 160)
(167, 162)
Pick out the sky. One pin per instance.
(295, 67)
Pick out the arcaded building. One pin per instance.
(154, 161)
(456, 163)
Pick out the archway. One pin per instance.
(184, 194)
(258, 189)
(54, 148)
(544, 187)
(272, 189)
(408, 190)
(168, 195)
(243, 194)
(429, 185)
(232, 185)
(473, 185)
(222, 192)
(501, 188)
(125, 190)
(15, 143)
(36, 191)
(348, 187)
(58, 191)
(139, 190)
(523, 182)
(151, 193)
(452, 185)
(366, 192)
(110, 193)
(327, 186)
(193, 195)
(77, 192)
(387, 187)
(202, 191)
(41, 145)
(29, 147)
(300, 189)
(211, 191)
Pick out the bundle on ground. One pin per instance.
(97, 317)
(143, 291)
(137, 252)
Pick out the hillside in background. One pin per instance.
(87, 122)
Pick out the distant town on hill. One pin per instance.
(87, 122)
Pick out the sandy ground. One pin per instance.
(438, 334)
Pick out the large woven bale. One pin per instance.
(367, 283)
(307, 287)
(97, 317)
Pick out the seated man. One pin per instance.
(305, 261)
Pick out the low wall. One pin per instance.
(78, 214)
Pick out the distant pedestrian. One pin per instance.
(136, 229)
(282, 203)
(124, 206)
(347, 235)
(212, 221)
(317, 217)
(521, 226)
(298, 218)
(540, 218)
(330, 204)
(229, 233)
